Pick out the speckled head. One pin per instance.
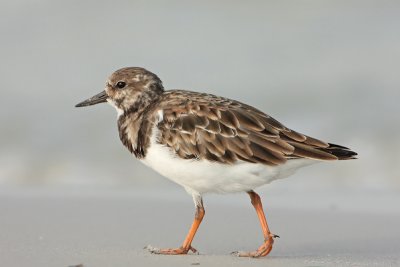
(128, 89)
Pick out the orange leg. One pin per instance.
(265, 248)
(187, 243)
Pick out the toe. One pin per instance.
(170, 251)
(262, 251)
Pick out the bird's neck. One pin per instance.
(134, 126)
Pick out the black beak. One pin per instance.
(99, 98)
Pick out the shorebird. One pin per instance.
(207, 143)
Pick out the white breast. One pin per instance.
(201, 176)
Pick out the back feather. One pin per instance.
(203, 126)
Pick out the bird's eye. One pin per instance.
(121, 84)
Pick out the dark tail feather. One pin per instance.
(341, 152)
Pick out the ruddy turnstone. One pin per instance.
(207, 143)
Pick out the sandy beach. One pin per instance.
(110, 229)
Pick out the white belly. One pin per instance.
(201, 176)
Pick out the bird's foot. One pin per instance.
(171, 251)
(262, 251)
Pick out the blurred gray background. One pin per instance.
(329, 69)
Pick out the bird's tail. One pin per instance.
(341, 152)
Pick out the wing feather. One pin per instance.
(223, 130)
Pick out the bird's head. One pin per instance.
(128, 89)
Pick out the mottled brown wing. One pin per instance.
(203, 126)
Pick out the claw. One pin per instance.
(152, 249)
(193, 250)
(236, 253)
